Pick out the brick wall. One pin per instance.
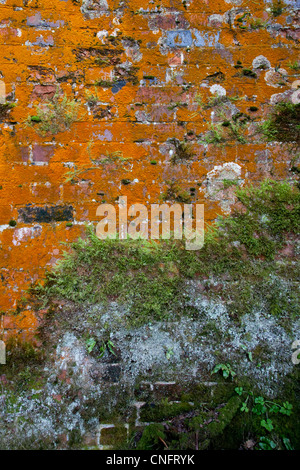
(136, 75)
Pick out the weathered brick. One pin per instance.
(46, 214)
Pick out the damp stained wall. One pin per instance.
(142, 80)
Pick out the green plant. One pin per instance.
(249, 353)
(226, 370)
(258, 23)
(227, 131)
(266, 444)
(199, 100)
(169, 353)
(248, 73)
(106, 83)
(229, 183)
(294, 66)
(262, 407)
(182, 151)
(215, 135)
(283, 123)
(175, 193)
(56, 115)
(178, 104)
(107, 345)
(90, 344)
(112, 158)
(287, 443)
(215, 101)
(91, 98)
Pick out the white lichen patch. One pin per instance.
(24, 234)
(218, 187)
(217, 90)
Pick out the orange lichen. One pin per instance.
(135, 71)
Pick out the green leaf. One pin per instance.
(267, 424)
(90, 344)
(287, 443)
(266, 444)
(245, 408)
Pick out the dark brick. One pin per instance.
(46, 214)
(112, 373)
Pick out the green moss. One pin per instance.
(106, 83)
(258, 23)
(229, 183)
(35, 119)
(164, 411)
(183, 151)
(152, 438)
(277, 7)
(294, 66)
(150, 277)
(228, 131)
(22, 368)
(125, 182)
(75, 439)
(249, 73)
(5, 109)
(175, 193)
(225, 416)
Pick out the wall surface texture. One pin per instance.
(153, 100)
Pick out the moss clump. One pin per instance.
(106, 83)
(152, 438)
(283, 123)
(225, 416)
(277, 7)
(229, 183)
(5, 109)
(182, 151)
(164, 411)
(229, 130)
(175, 193)
(249, 73)
(23, 360)
(56, 115)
